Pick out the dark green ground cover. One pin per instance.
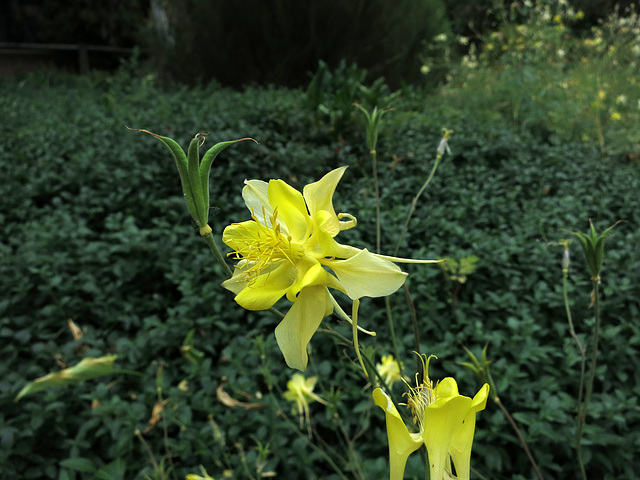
(94, 229)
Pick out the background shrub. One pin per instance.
(94, 229)
(281, 41)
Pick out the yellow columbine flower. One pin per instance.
(288, 248)
(389, 370)
(446, 421)
(300, 392)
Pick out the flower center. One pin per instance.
(421, 396)
(265, 247)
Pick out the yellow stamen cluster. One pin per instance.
(265, 246)
(422, 395)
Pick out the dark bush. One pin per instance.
(280, 41)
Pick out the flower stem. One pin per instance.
(414, 203)
(208, 237)
(583, 362)
(354, 325)
(318, 450)
(156, 467)
(416, 332)
(520, 437)
(582, 413)
(376, 189)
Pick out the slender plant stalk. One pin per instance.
(217, 255)
(514, 425)
(243, 460)
(416, 331)
(584, 406)
(376, 189)
(165, 431)
(596, 332)
(414, 203)
(583, 362)
(520, 437)
(321, 452)
(387, 302)
(156, 467)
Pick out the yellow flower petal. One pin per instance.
(401, 442)
(319, 195)
(313, 275)
(239, 235)
(367, 275)
(462, 441)
(298, 326)
(267, 288)
(291, 209)
(441, 421)
(255, 198)
(446, 388)
(238, 281)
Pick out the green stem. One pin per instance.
(376, 188)
(165, 431)
(318, 450)
(354, 325)
(592, 369)
(520, 437)
(383, 384)
(414, 203)
(217, 255)
(416, 332)
(583, 362)
(156, 467)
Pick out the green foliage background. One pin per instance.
(94, 229)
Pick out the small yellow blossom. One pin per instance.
(602, 94)
(389, 370)
(424, 70)
(616, 116)
(300, 392)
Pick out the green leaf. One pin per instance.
(86, 369)
(113, 471)
(80, 464)
(202, 208)
(183, 169)
(205, 165)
